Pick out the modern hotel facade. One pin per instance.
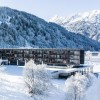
(48, 56)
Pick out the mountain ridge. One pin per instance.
(87, 23)
(19, 29)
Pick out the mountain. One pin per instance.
(87, 24)
(22, 30)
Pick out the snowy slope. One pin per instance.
(20, 29)
(87, 24)
(12, 86)
(94, 91)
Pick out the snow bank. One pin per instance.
(93, 92)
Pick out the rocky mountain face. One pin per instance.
(87, 24)
(22, 30)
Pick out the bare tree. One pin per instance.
(36, 78)
(76, 86)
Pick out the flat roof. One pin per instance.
(40, 48)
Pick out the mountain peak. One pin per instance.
(86, 23)
(96, 11)
(56, 18)
(77, 15)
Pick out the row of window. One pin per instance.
(41, 56)
(41, 51)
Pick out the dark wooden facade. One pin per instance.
(47, 56)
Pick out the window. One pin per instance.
(94, 54)
(76, 52)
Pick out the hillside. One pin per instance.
(87, 24)
(22, 30)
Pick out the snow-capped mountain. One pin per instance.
(87, 24)
(20, 29)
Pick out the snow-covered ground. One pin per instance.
(12, 86)
(93, 92)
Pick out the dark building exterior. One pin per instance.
(47, 56)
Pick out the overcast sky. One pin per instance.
(48, 8)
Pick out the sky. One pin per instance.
(47, 9)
